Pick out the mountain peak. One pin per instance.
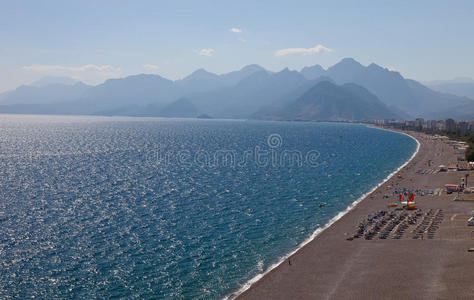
(253, 68)
(200, 74)
(315, 67)
(328, 101)
(287, 73)
(349, 61)
(348, 66)
(200, 71)
(137, 78)
(312, 72)
(235, 77)
(49, 80)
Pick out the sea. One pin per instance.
(150, 208)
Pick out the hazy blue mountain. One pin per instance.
(114, 95)
(250, 94)
(327, 101)
(301, 89)
(347, 70)
(274, 106)
(313, 72)
(204, 81)
(155, 91)
(250, 91)
(462, 112)
(49, 80)
(181, 108)
(121, 96)
(403, 114)
(391, 88)
(463, 87)
(132, 90)
(435, 103)
(200, 81)
(235, 77)
(51, 93)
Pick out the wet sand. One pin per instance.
(331, 267)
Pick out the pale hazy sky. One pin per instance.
(95, 40)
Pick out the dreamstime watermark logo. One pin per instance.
(273, 154)
(274, 140)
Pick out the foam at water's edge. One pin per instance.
(257, 277)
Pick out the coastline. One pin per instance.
(398, 267)
(330, 223)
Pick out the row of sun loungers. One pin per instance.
(429, 224)
(394, 224)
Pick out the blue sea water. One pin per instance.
(95, 207)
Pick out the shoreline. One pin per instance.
(397, 263)
(330, 223)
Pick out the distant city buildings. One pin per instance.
(463, 126)
(450, 125)
(440, 125)
(419, 122)
(431, 124)
(457, 134)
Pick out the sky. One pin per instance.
(95, 40)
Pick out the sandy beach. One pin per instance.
(435, 265)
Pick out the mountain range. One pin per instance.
(459, 86)
(326, 101)
(345, 91)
